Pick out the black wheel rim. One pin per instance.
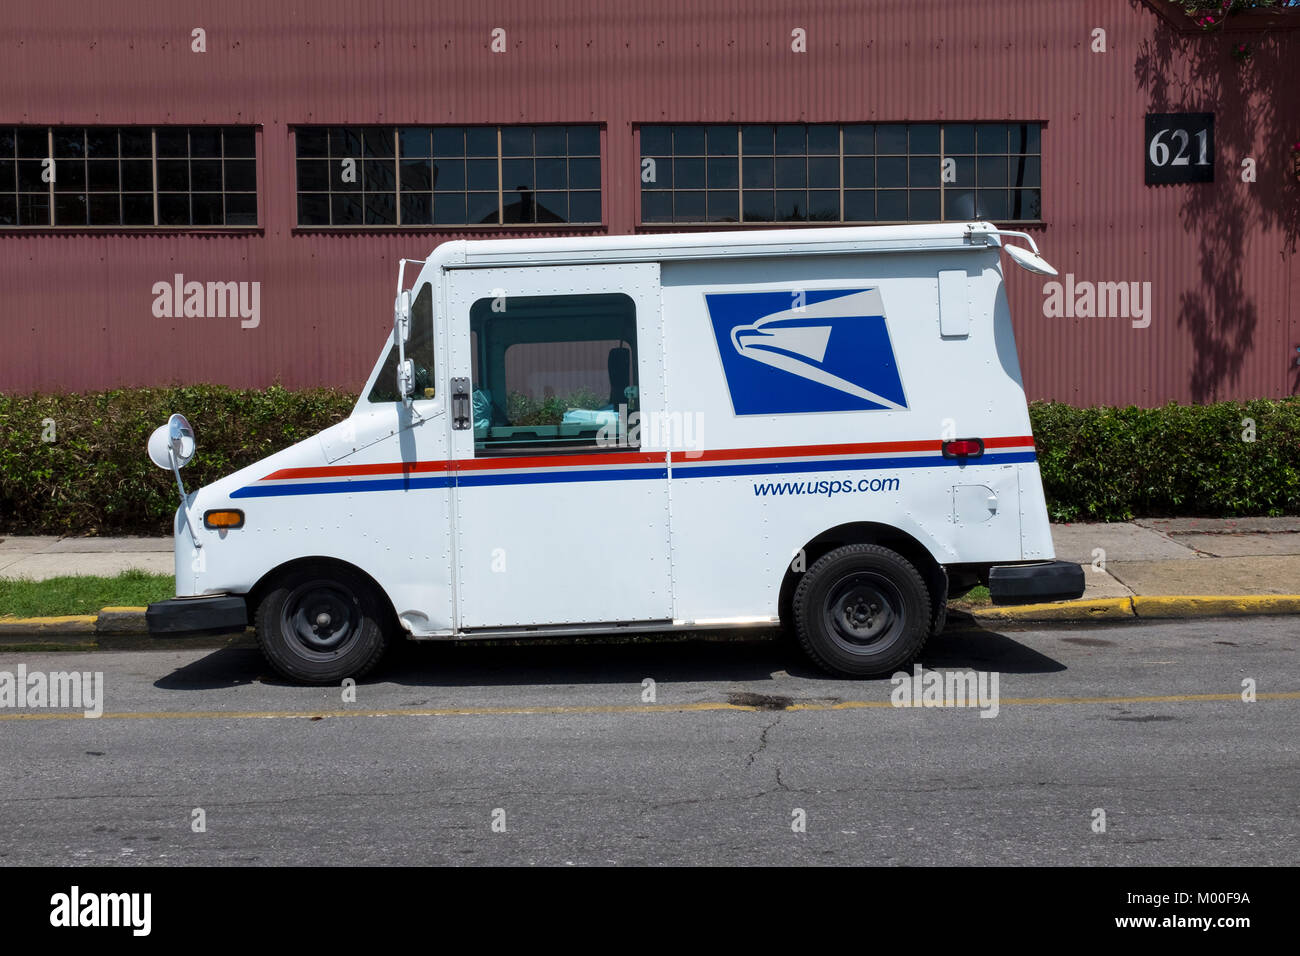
(863, 612)
(321, 619)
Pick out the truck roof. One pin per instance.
(657, 247)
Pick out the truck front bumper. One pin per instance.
(189, 617)
(1034, 583)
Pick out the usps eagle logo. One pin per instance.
(817, 351)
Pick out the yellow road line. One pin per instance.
(610, 709)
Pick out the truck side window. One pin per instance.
(419, 349)
(553, 373)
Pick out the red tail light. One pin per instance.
(963, 448)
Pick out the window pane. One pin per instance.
(1026, 138)
(758, 172)
(584, 174)
(723, 173)
(721, 140)
(688, 173)
(724, 206)
(137, 175)
(378, 141)
(70, 210)
(414, 141)
(173, 141)
(584, 140)
(824, 172)
(417, 176)
(482, 208)
(381, 209)
(7, 142)
(688, 140)
(33, 143)
(379, 175)
(516, 141)
(345, 141)
(992, 171)
(924, 205)
(241, 174)
(859, 205)
(173, 209)
(481, 141)
(517, 174)
(173, 175)
(34, 209)
(449, 209)
(891, 171)
(965, 170)
(551, 173)
(240, 142)
(991, 138)
(656, 140)
(137, 210)
(823, 139)
(206, 209)
(552, 207)
(689, 206)
(891, 205)
(449, 174)
(70, 175)
(29, 176)
(891, 139)
(584, 207)
(417, 209)
(448, 141)
(1026, 204)
(859, 171)
(70, 143)
(760, 206)
(347, 209)
(419, 350)
(312, 142)
(958, 203)
(659, 173)
(958, 138)
(860, 139)
(205, 174)
(101, 142)
(101, 175)
(568, 363)
(481, 174)
(924, 171)
(758, 140)
(241, 209)
(8, 210)
(791, 172)
(923, 138)
(791, 205)
(824, 205)
(205, 141)
(1026, 171)
(313, 209)
(656, 207)
(791, 140)
(992, 204)
(136, 142)
(549, 140)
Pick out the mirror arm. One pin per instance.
(185, 501)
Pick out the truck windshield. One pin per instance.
(419, 350)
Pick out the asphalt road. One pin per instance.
(586, 772)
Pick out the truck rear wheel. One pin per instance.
(862, 610)
(321, 623)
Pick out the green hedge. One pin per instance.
(1098, 464)
(96, 478)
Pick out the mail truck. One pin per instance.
(823, 429)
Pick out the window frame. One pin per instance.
(644, 225)
(500, 158)
(52, 191)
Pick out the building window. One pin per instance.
(81, 176)
(848, 173)
(447, 175)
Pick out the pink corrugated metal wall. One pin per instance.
(75, 307)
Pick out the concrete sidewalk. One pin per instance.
(1156, 556)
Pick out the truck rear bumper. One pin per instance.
(182, 617)
(1034, 583)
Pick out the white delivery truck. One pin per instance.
(820, 428)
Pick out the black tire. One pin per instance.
(938, 588)
(321, 623)
(862, 610)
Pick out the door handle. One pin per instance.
(460, 416)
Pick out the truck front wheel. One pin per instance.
(320, 623)
(862, 610)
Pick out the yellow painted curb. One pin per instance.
(1101, 609)
(122, 610)
(1225, 605)
(66, 624)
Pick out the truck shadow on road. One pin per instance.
(604, 661)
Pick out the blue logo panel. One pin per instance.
(815, 351)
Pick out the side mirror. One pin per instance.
(402, 317)
(172, 443)
(1030, 261)
(405, 378)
